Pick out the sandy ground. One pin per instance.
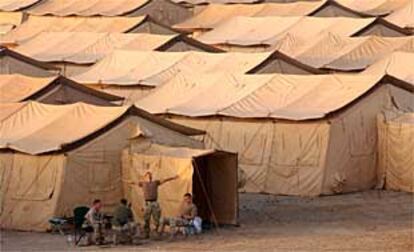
(369, 221)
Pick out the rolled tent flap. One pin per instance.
(209, 175)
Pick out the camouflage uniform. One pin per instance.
(152, 208)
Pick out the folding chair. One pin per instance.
(78, 220)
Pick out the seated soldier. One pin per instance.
(95, 219)
(123, 222)
(187, 213)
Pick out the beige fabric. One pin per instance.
(86, 8)
(11, 18)
(124, 67)
(403, 17)
(10, 64)
(345, 53)
(396, 152)
(373, 7)
(16, 87)
(398, 65)
(293, 97)
(8, 109)
(214, 14)
(86, 47)
(199, 2)
(14, 5)
(27, 129)
(249, 31)
(37, 24)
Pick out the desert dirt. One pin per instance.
(367, 221)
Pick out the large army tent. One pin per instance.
(295, 134)
(217, 172)
(396, 151)
(403, 17)
(52, 90)
(214, 14)
(358, 8)
(37, 24)
(74, 52)
(350, 53)
(164, 11)
(251, 33)
(12, 62)
(132, 74)
(47, 170)
(15, 5)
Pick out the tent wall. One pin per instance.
(70, 69)
(352, 153)
(381, 31)
(151, 27)
(6, 161)
(32, 190)
(10, 65)
(278, 158)
(164, 11)
(280, 66)
(131, 93)
(396, 155)
(181, 46)
(330, 10)
(65, 94)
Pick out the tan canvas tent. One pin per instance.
(349, 53)
(214, 14)
(75, 52)
(37, 24)
(295, 134)
(251, 33)
(52, 90)
(209, 175)
(47, 170)
(12, 62)
(9, 20)
(396, 151)
(15, 5)
(129, 74)
(163, 11)
(403, 17)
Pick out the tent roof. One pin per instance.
(17, 88)
(9, 20)
(37, 24)
(349, 53)
(11, 53)
(204, 2)
(373, 7)
(213, 14)
(87, 47)
(37, 128)
(403, 17)
(87, 8)
(289, 97)
(250, 31)
(15, 5)
(153, 68)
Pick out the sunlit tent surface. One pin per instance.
(213, 14)
(74, 52)
(292, 133)
(163, 11)
(15, 5)
(52, 90)
(37, 24)
(251, 32)
(9, 20)
(12, 62)
(54, 170)
(396, 151)
(403, 17)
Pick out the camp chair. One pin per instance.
(78, 221)
(59, 224)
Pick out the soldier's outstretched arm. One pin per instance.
(168, 179)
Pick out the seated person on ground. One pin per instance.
(186, 216)
(123, 222)
(95, 219)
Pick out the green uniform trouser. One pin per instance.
(152, 208)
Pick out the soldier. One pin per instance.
(151, 208)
